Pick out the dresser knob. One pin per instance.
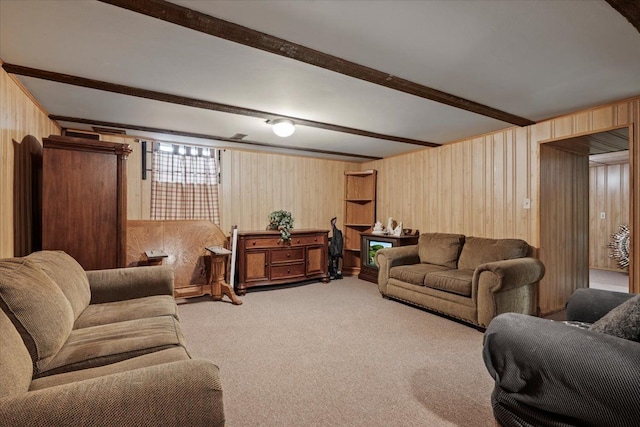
(254, 243)
(288, 255)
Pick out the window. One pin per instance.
(184, 183)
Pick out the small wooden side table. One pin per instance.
(219, 287)
(370, 243)
(155, 257)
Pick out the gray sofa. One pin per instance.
(472, 279)
(550, 373)
(97, 348)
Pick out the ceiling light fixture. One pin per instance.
(283, 127)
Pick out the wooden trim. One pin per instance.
(590, 109)
(205, 136)
(81, 144)
(586, 133)
(196, 103)
(109, 131)
(207, 24)
(121, 238)
(634, 212)
(630, 9)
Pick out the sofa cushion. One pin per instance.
(454, 281)
(68, 275)
(623, 321)
(440, 249)
(105, 344)
(480, 250)
(16, 367)
(156, 358)
(37, 308)
(414, 273)
(120, 311)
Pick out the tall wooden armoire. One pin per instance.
(84, 196)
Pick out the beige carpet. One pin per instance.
(338, 354)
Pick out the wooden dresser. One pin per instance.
(263, 259)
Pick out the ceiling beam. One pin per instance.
(196, 103)
(207, 24)
(630, 9)
(203, 136)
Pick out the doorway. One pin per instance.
(609, 195)
(565, 207)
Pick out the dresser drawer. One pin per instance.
(287, 255)
(287, 271)
(307, 240)
(267, 242)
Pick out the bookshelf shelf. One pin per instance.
(359, 215)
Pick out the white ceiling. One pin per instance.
(533, 59)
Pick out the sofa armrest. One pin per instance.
(589, 305)
(183, 393)
(546, 372)
(391, 257)
(512, 273)
(120, 284)
(507, 286)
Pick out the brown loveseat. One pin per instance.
(97, 348)
(471, 278)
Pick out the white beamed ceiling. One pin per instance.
(534, 59)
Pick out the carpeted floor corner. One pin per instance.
(338, 354)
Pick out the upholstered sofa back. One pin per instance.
(440, 249)
(457, 251)
(37, 308)
(70, 277)
(481, 250)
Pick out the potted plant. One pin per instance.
(283, 222)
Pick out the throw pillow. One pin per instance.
(481, 250)
(440, 249)
(623, 321)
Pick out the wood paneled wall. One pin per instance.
(19, 116)
(138, 190)
(255, 184)
(564, 224)
(476, 187)
(608, 194)
(603, 118)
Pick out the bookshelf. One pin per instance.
(359, 215)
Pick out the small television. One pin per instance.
(374, 245)
(371, 243)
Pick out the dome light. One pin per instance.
(283, 127)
